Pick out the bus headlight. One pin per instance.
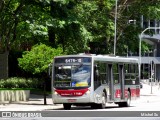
(88, 92)
(55, 93)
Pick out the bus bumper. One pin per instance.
(80, 99)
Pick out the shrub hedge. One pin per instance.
(15, 82)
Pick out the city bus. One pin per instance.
(94, 80)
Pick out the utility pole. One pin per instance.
(151, 77)
(140, 41)
(115, 29)
(152, 73)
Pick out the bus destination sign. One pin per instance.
(73, 60)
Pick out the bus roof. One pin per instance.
(104, 58)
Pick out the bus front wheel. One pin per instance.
(67, 106)
(103, 104)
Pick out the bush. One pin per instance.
(15, 82)
(37, 60)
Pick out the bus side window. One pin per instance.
(116, 73)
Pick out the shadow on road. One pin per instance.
(89, 108)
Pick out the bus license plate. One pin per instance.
(71, 100)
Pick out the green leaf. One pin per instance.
(37, 60)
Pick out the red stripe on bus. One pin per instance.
(70, 93)
(134, 93)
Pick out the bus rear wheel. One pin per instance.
(127, 103)
(67, 106)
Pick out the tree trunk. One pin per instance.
(4, 65)
(51, 35)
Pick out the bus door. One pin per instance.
(121, 79)
(111, 82)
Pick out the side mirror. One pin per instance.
(50, 69)
(97, 73)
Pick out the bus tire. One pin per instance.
(66, 106)
(127, 103)
(103, 104)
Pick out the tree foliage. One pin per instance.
(73, 24)
(128, 34)
(37, 60)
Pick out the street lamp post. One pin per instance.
(140, 41)
(115, 29)
(151, 75)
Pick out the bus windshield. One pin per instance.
(72, 76)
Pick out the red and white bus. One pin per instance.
(94, 80)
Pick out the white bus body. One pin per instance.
(94, 80)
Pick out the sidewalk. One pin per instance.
(149, 94)
(35, 103)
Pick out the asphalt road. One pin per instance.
(147, 102)
(147, 106)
